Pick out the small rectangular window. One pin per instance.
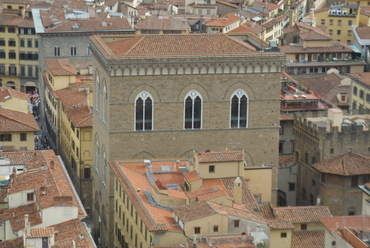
(291, 186)
(197, 230)
(236, 223)
(23, 136)
(331, 22)
(339, 22)
(211, 169)
(303, 226)
(30, 197)
(11, 30)
(215, 228)
(283, 235)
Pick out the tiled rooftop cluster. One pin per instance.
(46, 180)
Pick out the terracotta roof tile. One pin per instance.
(96, 22)
(8, 93)
(285, 159)
(220, 156)
(132, 175)
(16, 216)
(223, 21)
(12, 243)
(52, 176)
(346, 165)
(312, 35)
(339, 222)
(227, 3)
(60, 67)
(175, 45)
(19, 158)
(308, 239)
(243, 212)
(41, 232)
(280, 224)
(268, 5)
(194, 211)
(304, 214)
(327, 87)
(362, 77)
(192, 176)
(155, 23)
(72, 230)
(15, 121)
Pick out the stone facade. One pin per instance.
(322, 138)
(120, 81)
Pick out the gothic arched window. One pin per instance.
(144, 112)
(239, 109)
(193, 110)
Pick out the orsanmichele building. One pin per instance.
(167, 96)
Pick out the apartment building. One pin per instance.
(338, 20)
(18, 47)
(69, 120)
(360, 93)
(18, 125)
(310, 50)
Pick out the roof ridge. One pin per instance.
(136, 44)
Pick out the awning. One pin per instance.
(355, 49)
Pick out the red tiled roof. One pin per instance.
(346, 165)
(285, 159)
(60, 67)
(226, 3)
(58, 189)
(16, 216)
(12, 243)
(194, 211)
(155, 23)
(220, 156)
(192, 176)
(311, 239)
(15, 121)
(312, 35)
(97, 22)
(41, 232)
(7, 92)
(174, 45)
(243, 212)
(268, 5)
(362, 77)
(223, 21)
(20, 157)
(339, 222)
(304, 214)
(279, 224)
(72, 230)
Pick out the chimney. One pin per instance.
(238, 190)
(27, 225)
(52, 164)
(194, 239)
(336, 117)
(147, 163)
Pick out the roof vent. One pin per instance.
(147, 163)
